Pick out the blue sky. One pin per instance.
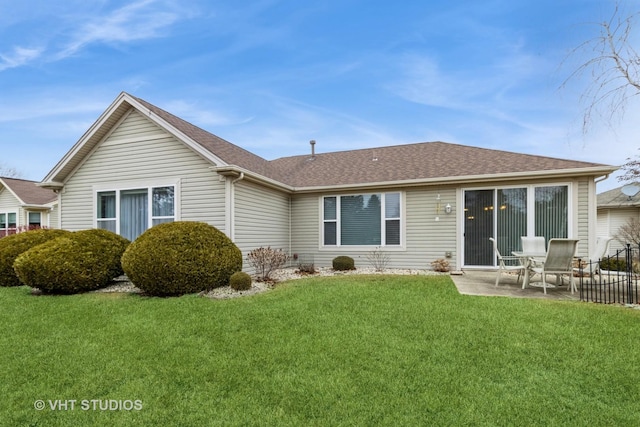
(271, 75)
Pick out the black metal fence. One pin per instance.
(612, 279)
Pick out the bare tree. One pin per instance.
(629, 232)
(613, 66)
(8, 171)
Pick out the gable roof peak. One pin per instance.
(28, 192)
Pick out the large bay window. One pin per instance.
(130, 212)
(362, 220)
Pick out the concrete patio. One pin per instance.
(482, 282)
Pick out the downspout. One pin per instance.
(240, 178)
(290, 254)
(59, 194)
(232, 207)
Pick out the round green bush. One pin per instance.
(177, 258)
(343, 263)
(78, 262)
(613, 264)
(240, 281)
(15, 244)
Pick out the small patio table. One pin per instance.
(528, 259)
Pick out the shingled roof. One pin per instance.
(617, 199)
(418, 163)
(28, 192)
(421, 161)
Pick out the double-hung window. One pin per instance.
(130, 212)
(362, 220)
(8, 223)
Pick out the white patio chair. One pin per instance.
(535, 249)
(505, 267)
(600, 251)
(533, 245)
(558, 261)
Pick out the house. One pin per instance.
(615, 208)
(25, 205)
(139, 165)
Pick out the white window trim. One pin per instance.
(6, 213)
(137, 185)
(383, 219)
(27, 213)
(531, 227)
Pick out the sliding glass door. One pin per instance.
(506, 214)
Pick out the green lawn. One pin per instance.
(351, 350)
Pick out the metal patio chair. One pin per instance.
(507, 264)
(558, 261)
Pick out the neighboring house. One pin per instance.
(24, 205)
(614, 210)
(139, 165)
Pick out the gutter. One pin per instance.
(465, 179)
(236, 171)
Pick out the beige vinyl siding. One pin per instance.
(8, 204)
(305, 228)
(603, 223)
(262, 218)
(610, 220)
(424, 239)
(581, 215)
(54, 217)
(428, 239)
(135, 153)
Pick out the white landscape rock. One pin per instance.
(123, 285)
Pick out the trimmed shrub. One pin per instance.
(77, 262)
(182, 257)
(15, 244)
(240, 281)
(343, 263)
(613, 264)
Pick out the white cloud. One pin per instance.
(19, 57)
(80, 26)
(135, 21)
